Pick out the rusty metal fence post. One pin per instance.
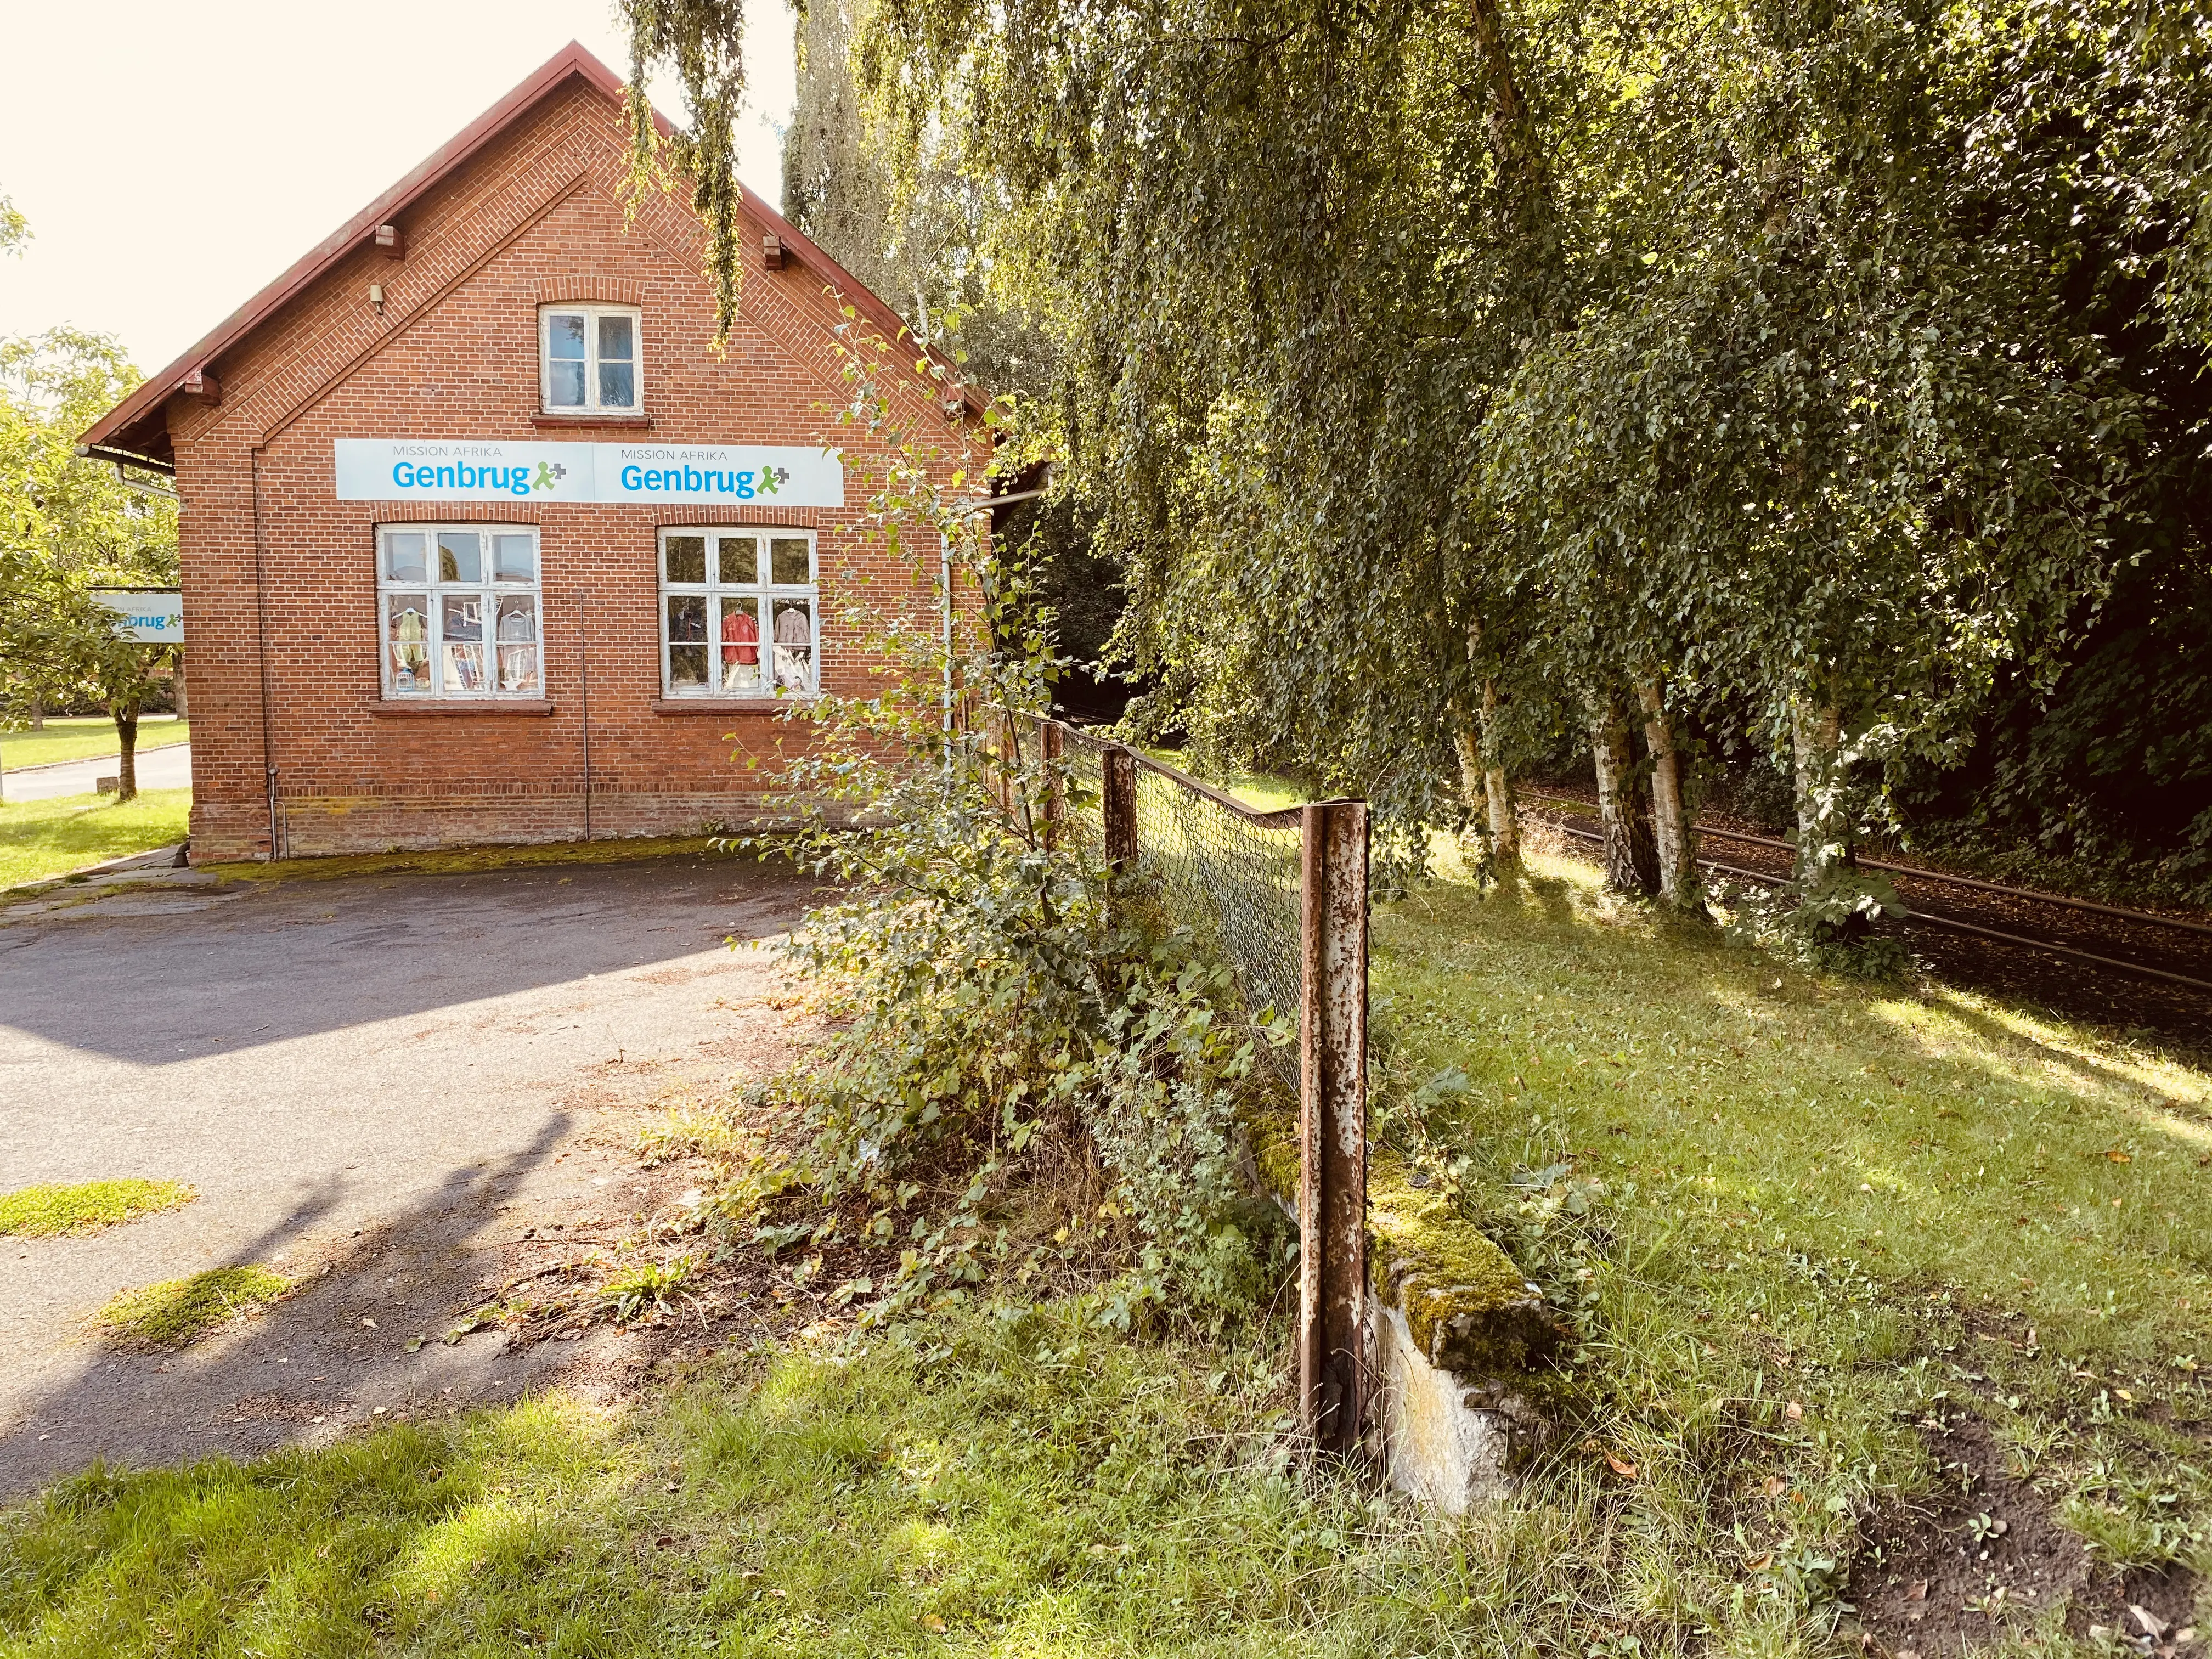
(1050, 753)
(1335, 1363)
(1332, 1313)
(1117, 805)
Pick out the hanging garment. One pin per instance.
(740, 638)
(793, 640)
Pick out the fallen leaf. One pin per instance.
(1760, 1565)
(2153, 1624)
(931, 1621)
(1793, 1411)
(1776, 1486)
(2118, 1157)
(371, 1323)
(665, 1541)
(1625, 1470)
(1918, 1592)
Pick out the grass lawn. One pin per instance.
(50, 1210)
(1829, 1235)
(84, 736)
(42, 838)
(1031, 1487)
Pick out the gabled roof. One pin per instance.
(136, 424)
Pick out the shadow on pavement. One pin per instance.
(319, 1362)
(309, 956)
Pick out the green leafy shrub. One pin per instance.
(1009, 1014)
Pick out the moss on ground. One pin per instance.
(49, 1210)
(1469, 1308)
(455, 859)
(180, 1311)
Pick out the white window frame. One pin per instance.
(590, 314)
(489, 591)
(765, 593)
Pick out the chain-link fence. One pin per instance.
(1281, 898)
(1230, 872)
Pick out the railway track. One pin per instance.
(2173, 950)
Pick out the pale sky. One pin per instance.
(172, 159)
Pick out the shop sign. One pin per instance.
(404, 470)
(154, 615)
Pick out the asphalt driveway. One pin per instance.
(374, 1082)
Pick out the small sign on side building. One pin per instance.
(153, 615)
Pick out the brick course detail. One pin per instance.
(279, 577)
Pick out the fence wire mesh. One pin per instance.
(1228, 871)
(1232, 876)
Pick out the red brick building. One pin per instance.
(483, 540)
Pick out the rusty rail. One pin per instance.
(1922, 874)
(1931, 918)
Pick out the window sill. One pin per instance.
(589, 418)
(409, 708)
(730, 705)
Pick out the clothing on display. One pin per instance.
(794, 640)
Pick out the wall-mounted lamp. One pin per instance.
(376, 297)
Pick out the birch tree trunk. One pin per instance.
(126, 733)
(1823, 833)
(1630, 864)
(1474, 786)
(1497, 788)
(1672, 841)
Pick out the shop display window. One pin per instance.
(739, 613)
(588, 358)
(459, 609)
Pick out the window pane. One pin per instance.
(403, 556)
(739, 558)
(618, 344)
(687, 667)
(460, 555)
(407, 643)
(564, 336)
(741, 651)
(617, 385)
(564, 387)
(514, 558)
(687, 617)
(518, 621)
(795, 645)
(685, 558)
(518, 668)
(462, 629)
(788, 554)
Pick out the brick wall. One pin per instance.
(269, 555)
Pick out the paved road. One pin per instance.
(166, 768)
(382, 1075)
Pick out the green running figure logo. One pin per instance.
(549, 473)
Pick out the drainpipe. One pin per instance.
(261, 612)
